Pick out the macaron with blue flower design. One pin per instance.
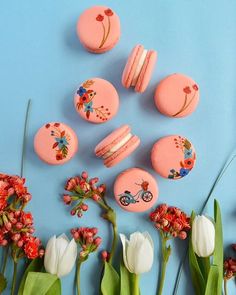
(96, 100)
(173, 157)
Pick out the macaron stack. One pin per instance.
(97, 101)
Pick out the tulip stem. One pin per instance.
(13, 285)
(135, 284)
(166, 251)
(78, 276)
(5, 260)
(225, 286)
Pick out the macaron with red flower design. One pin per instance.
(135, 190)
(173, 157)
(117, 146)
(138, 69)
(55, 143)
(98, 29)
(177, 96)
(96, 100)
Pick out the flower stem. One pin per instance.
(13, 285)
(135, 284)
(114, 242)
(78, 276)
(166, 251)
(5, 260)
(225, 287)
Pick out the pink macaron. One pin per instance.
(96, 100)
(117, 146)
(177, 96)
(55, 143)
(173, 156)
(98, 29)
(135, 190)
(139, 67)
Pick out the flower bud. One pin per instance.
(67, 199)
(104, 255)
(84, 175)
(203, 236)
(97, 241)
(96, 197)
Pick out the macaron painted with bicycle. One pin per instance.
(55, 143)
(135, 190)
(173, 157)
(117, 146)
(96, 100)
(98, 29)
(138, 69)
(177, 96)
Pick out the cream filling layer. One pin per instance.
(117, 146)
(139, 67)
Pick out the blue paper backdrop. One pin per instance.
(41, 58)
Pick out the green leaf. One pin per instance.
(218, 256)
(125, 280)
(196, 274)
(39, 283)
(110, 282)
(212, 282)
(34, 265)
(204, 264)
(3, 283)
(55, 289)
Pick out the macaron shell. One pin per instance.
(135, 190)
(55, 143)
(96, 100)
(177, 96)
(123, 152)
(173, 157)
(146, 71)
(112, 139)
(131, 65)
(98, 29)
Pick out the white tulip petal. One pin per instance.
(125, 245)
(144, 259)
(203, 236)
(67, 261)
(50, 257)
(147, 236)
(61, 245)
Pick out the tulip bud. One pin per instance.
(138, 252)
(203, 236)
(60, 255)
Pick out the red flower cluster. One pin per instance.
(230, 266)
(16, 225)
(13, 186)
(85, 236)
(171, 220)
(81, 189)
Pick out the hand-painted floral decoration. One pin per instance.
(62, 140)
(189, 93)
(144, 194)
(106, 27)
(87, 104)
(188, 161)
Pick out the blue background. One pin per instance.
(41, 58)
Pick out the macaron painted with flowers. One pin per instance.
(96, 100)
(98, 29)
(173, 157)
(55, 143)
(177, 96)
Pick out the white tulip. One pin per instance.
(203, 236)
(138, 252)
(60, 255)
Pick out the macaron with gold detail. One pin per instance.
(117, 146)
(96, 100)
(98, 29)
(55, 143)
